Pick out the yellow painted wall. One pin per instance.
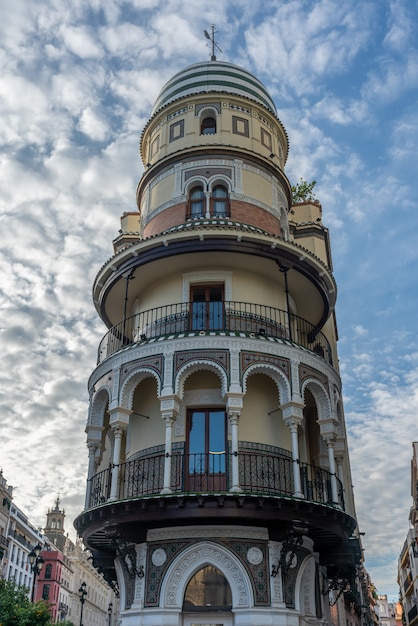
(162, 192)
(254, 287)
(142, 432)
(255, 424)
(203, 380)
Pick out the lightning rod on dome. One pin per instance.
(211, 38)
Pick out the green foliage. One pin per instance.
(303, 191)
(17, 610)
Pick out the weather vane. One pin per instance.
(211, 38)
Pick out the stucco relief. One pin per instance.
(136, 376)
(321, 397)
(98, 406)
(274, 373)
(307, 604)
(194, 558)
(197, 364)
(139, 593)
(199, 532)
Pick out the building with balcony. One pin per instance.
(408, 559)
(6, 496)
(22, 537)
(219, 487)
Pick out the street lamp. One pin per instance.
(82, 595)
(109, 611)
(36, 561)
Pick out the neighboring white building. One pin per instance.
(408, 559)
(6, 496)
(22, 538)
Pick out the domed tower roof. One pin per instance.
(214, 76)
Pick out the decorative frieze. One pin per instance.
(221, 357)
(250, 358)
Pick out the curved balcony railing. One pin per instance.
(198, 317)
(259, 473)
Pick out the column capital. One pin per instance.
(292, 412)
(234, 401)
(119, 416)
(169, 406)
(328, 428)
(94, 434)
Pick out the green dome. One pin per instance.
(214, 76)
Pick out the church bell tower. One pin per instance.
(219, 488)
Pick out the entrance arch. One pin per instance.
(194, 558)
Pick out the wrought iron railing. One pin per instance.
(259, 473)
(198, 317)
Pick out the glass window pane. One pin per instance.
(208, 588)
(197, 442)
(217, 442)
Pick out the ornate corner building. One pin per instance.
(219, 488)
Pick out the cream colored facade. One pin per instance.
(217, 444)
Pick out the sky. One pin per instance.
(77, 83)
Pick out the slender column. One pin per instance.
(331, 460)
(207, 202)
(167, 458)
(169, 411)
(92, 447)
(234, 408)
(293, 425)
(233, 420)
(293, 416)
(119, 420)
(117, 445)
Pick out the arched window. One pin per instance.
(208, 590)
(48, 571)
(196, 202)
(208, 126)
(220, 201)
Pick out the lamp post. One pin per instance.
(109, 611)
(36, 562)
(82, 595)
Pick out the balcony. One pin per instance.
(269, 475)
(193, 318)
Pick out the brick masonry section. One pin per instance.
(243, 212)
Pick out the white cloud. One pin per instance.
(80, 42)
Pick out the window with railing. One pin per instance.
(206, 447)
(219, 201)
(207, 307)
(196, 203)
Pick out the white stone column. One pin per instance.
(234, 408)
(331, 461)
(207, 202)
(119, 420)
(169, 411)
(117, 445)
(92, 447)
(293, 416)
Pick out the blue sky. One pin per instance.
(77, 82)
